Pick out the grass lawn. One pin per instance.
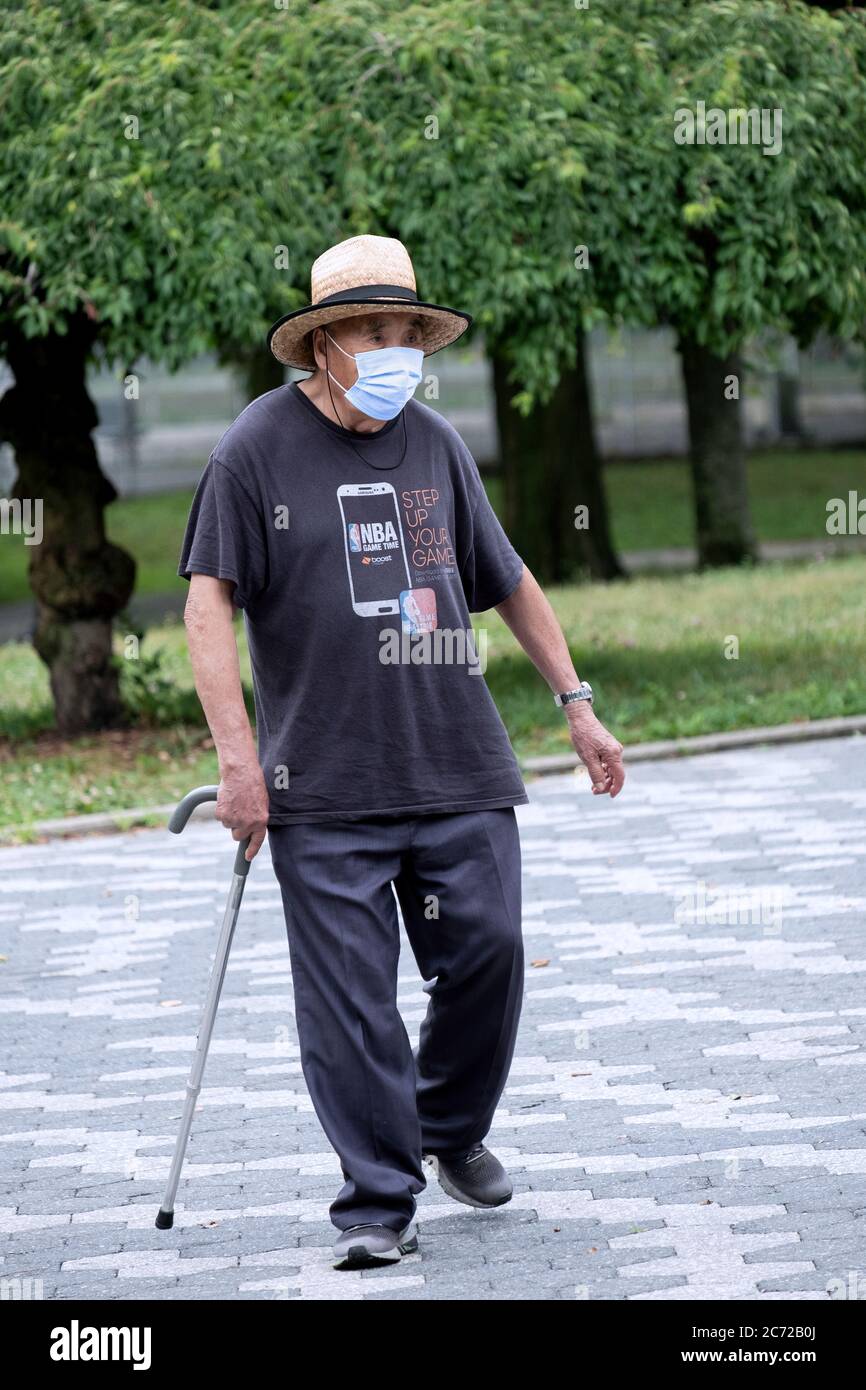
(653, 648)
(650, 506)
(150, 528)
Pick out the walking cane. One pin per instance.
(179, 817)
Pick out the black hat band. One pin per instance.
(368, 292)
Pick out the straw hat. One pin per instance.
(361, 273)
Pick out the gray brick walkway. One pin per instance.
(686, 1113)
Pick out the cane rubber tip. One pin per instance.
(164, 1220)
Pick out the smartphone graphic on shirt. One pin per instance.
(375, 550)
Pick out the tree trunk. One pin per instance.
(551, 467)
(723, 521)
(79, 579)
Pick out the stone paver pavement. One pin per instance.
(686, 1113)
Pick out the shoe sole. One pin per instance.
(359, 1257)
(451, 1190)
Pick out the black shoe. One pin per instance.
(475, 1177)
(360, 1247)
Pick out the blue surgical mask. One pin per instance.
(387, 379)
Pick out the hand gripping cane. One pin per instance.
(179, 818)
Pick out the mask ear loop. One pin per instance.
(328, 375)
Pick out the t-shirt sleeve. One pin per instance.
(225, 534)
(492, 569)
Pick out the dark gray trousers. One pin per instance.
(457, 877)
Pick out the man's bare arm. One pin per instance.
(242, 804)
(528, 613)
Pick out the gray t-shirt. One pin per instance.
(357, 560)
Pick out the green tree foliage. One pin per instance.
(723, 241)
(149, 166)
(499, 139)
(466, 131)
(149, 175)
(154, 160)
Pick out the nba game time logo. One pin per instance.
(371, 534)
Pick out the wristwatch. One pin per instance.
(583, 692)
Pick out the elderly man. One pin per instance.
(349, 523)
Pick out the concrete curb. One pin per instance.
(106, 822)
(712, 743)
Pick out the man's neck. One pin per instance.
(316, 389)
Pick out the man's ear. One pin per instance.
(317, 339)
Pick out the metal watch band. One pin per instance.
(583, 692)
